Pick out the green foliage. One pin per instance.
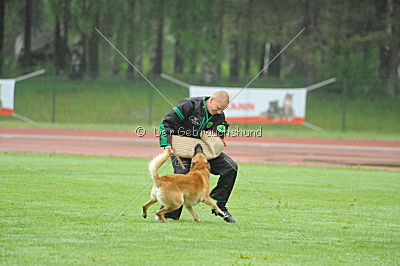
(344, 39)
(53, 206)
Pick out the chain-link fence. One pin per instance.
(353, 105)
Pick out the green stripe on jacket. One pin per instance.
(163, 135)
(178, 112)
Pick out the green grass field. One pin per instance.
(53, 206)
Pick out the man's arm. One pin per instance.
(172, 120)
(220, 127)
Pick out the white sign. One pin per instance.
(7, 96)
(252, 105)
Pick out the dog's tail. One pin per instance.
(156, 163)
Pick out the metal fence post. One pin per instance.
(344, 104)
(150, 107)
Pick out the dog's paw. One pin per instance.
(144, 215)
(197, 220)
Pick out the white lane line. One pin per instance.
(240, 144)
(84, 138)
(315, 146)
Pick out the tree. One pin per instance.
(179, 24)
(311, 10)
(220, 36)
(85, 15)
(234, 32)
(158, 27)
(60, 10)
(394, 32)
(130, 45)
(94, 46)
(2, 22)
(138, 30)
(209, 49)
(249, 36)
(26, 58)
(275, 21)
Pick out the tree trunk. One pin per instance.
(249, 40)
(61, 37)
(234, 59)
(94, 50)
(27, 59)
(57, 44)
(381, 10)
(394, 10)
(274, 69)
(178, 60)
(209, 70)
(310, 17)
(157, 54)
(209, 51)
(78, 57)
(193, 62)
(383, 60)
(64, 34)
(179, 22)
(262, 60)
(130, 41)
(139, 40)
(247, 55)
(220, 36)
(2, 20)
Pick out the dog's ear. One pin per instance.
(198, 149)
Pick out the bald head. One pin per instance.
(218, 102)
(222, 97)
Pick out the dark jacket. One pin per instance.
(190, 117)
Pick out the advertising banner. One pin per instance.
(7, 96)
(285, 106)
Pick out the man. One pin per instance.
(189, 118)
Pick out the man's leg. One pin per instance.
(226, 168)
(178, 170)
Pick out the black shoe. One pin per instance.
(174, 215)
(166, 217)
(227, 217)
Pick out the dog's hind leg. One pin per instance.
(164, 210)
(193, 213)
(146, 206)
(207, 200)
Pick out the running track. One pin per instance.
(370, 154)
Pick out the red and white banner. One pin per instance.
(7, 96)
(285, 106)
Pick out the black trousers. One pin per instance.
(223, 166)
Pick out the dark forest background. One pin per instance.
(207, 39)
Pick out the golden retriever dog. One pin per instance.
(175, 190)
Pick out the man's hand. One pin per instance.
(167, 147)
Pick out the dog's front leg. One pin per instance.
(207, 200)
